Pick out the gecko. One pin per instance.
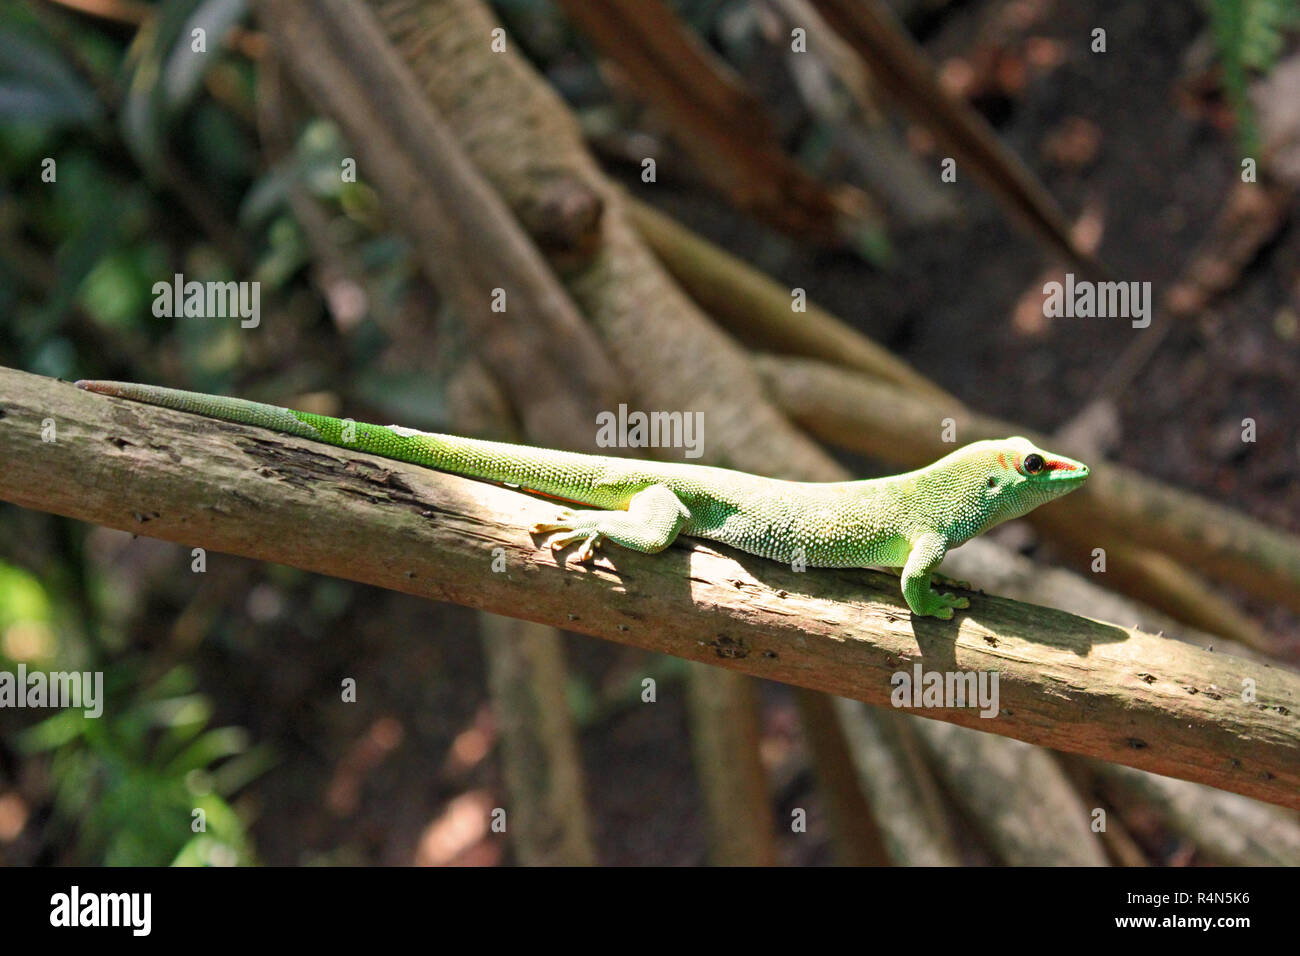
(904, 522)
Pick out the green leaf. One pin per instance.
(210, 747)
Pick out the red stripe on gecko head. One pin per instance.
(1002, 459)
(1055, 464)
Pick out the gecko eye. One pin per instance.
(1034, 464)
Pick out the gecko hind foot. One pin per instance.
(591, 542)
(573, 528)
(652, 520)
(563, 522)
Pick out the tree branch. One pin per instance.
(1067, 682)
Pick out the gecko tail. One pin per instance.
(238, 410)
(104, 388)
(567, 476)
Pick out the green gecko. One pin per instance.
(906, 521)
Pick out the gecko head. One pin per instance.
(1018, 476)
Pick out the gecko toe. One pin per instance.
(951, 601)
(588, 550)
(590, 540)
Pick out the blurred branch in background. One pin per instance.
(902, 70)
(550, 365)
(858, 840)
(726, 130)
(756, 309)
(899, 788)
(841, 95)
(1045, 823)
(725, 736)
(547, 822)
(1231, 830)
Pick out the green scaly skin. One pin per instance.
(906, 521)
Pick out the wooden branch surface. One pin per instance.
(1066, 682)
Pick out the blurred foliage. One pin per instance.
(1250, 36)
(126, 159)
(127, 784)
(147, 784)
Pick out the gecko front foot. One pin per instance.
(926, 552)
(942, 605)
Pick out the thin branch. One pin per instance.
(898, 786)
(1228, 830)
(858, 839)
(1046, 825)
